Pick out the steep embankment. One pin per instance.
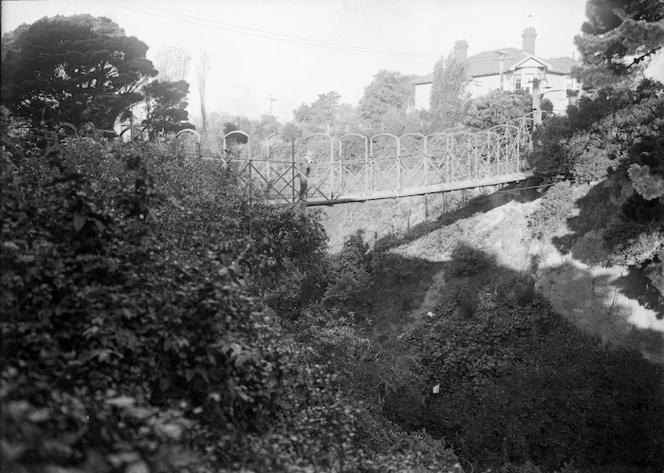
(566, 263)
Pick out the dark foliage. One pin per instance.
(618, 40)
(556, 208)
(516, 383)
(595, 137)
(166, 106)
(72, 69)
(130, 336)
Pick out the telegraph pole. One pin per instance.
(272, 100)
(502, 55)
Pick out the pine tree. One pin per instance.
(73, 68)
(618, 40)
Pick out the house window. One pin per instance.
(517, 82)
(569, 83)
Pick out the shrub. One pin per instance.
(113, 287)
(633, 243)
(556, 207)
(596, 135)
(349, 273)
(520, 383)
(467, 261)
(549, 158)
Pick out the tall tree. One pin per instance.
(201, 73)
(389, 90)
(172, 62)
(166, 105)
(618, 40)
(73, 68)
(321, 112)
(448, 95)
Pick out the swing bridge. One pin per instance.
(358, 168)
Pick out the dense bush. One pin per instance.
(129, 329)
(556, 207)
(516, 383)
(348, 275)
(497, 108)
(596, 135)
(93, 300)
(550, 159)
(467, 261)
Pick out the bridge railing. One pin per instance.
(388, 164)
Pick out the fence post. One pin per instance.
(293, 168)
(518, 146)
(267, 174)
(399, 183)
(250, 166)
(448, 164)
(367, 187)
(332, 166)
(476, 153)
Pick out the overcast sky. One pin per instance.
(295, 50)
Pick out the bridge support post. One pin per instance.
(448, 163)
(293, 168)
(269, 181)
(399, 179)
(249, 181)
(518, 149)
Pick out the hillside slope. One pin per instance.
(611, 302)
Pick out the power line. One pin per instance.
(228, 27)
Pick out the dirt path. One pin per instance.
(431, 298)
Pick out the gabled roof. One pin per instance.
(529, 61)
(487, 63)
(562, 64)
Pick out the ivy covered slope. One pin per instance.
(133, 338)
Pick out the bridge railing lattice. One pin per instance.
(356, 165)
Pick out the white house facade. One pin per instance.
(511, 69)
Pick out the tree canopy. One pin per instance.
(322, 111)
(618, 39)
(495, 108)
(388, 90)
(73, 68)
(166, 105)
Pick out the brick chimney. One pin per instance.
(461, 50)
(528, 36)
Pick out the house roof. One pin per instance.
(487, 63)
(562, 64)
